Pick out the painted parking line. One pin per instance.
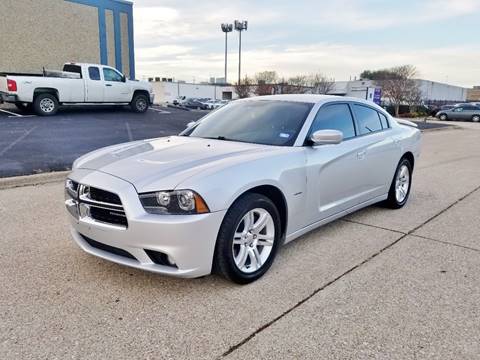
(8, 147)
(160, 111)
(18, 115)
(11, 113)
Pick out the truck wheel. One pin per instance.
(45, 105)
(139, 103)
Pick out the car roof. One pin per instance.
(314, 99)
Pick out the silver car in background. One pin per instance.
(465, 112)
(233, 187)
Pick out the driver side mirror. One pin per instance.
(325, 137)
(124, 78)
(190, 124)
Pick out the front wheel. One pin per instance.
(476, 118)
(248, 239)
(401, 184)
(443, 117)
(139, 103)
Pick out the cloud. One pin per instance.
(183, 39)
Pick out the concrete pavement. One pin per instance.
(380, 283)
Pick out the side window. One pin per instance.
(94, 73)
(383, 120)
(367, 119)
(334, 117)
(111, 75)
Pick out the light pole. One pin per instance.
(226, 28)
(240, 26)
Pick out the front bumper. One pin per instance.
(6, 97)
(189, 240)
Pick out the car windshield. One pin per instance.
(255, 121)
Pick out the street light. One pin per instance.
(226, 28)
(240, 26)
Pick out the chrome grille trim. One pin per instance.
(79, 202)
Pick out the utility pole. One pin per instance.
(240, 26)
(226, 28)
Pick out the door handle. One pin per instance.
(108, 84)
(361, 155)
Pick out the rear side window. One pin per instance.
(94, 73)
(383, 120)
(367, 119)
(334, 117)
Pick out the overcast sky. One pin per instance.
(182, 39)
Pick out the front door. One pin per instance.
(116, 87)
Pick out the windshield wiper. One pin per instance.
(218, 138)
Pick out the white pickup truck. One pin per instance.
(76, 84)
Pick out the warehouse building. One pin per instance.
(48, 33)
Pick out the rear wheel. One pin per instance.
(139, 103)
(400, 187)
(45, 104)
(248, 239)
(476, 118)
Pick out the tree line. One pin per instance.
(398, 85)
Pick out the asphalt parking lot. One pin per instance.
(385, 284)
(31, 144)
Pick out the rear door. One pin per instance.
(116, 88)
(377, 152)
(94, 85)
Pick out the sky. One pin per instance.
(338, 38)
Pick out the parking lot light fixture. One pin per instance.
(240, 26)
(226, 28)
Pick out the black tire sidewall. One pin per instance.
(224, 262)
(477, 116)
(36, 104)
(392, 199)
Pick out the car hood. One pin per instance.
(163, 163)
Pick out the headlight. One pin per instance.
(176, 202)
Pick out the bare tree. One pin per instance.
(321, 84)
(398, 85)
(296, 85)
(266, 82)
(244, 89)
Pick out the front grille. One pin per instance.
(109, 216)
(107, 248)
(84, 201)
(104, 196)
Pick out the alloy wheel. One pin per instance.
(402, 183)
(253, 240)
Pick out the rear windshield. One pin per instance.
(73, 68)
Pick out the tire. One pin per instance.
(228, 256)
(443, 117)
(45, 104)
(397, 200)
(476, 118)
(139, 103)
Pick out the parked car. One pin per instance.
(462, 112)
(237, 184)
(78, 83)
(194, 104)
(215, 104)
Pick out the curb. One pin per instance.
(32, 180)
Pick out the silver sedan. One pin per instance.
(233, 187)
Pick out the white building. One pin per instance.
(166, 92)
